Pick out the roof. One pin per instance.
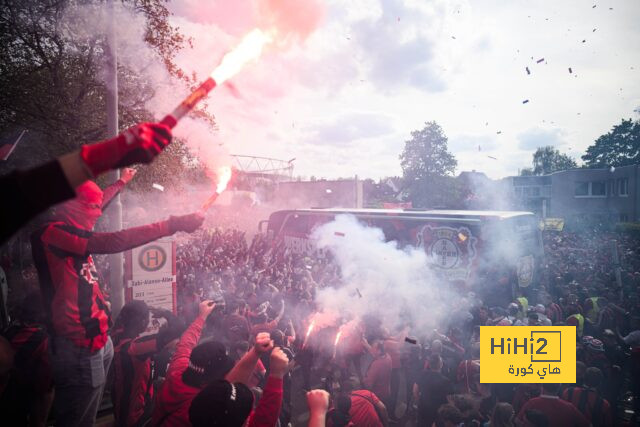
(430, 213)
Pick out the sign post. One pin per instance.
(151, 275)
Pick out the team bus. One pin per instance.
(488, 252)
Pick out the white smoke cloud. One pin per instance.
(380, 278)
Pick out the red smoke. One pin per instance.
(294, 20)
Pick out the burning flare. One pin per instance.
(224, 176)
(335, 344)
(250, 48)
(313, 323)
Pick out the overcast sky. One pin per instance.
(345, 101)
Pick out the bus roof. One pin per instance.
(441, 213)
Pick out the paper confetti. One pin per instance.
(570, 71)
(539, 60)
(525, 101)
(491, 157)
(358, 291)
(158, 187)
(411, 340)
(528, 72)
(499, 132)
(339, 234)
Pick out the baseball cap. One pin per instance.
(221, 403)
(208, 362)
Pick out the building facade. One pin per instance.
(580, 195)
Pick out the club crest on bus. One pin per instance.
(452, 250)
(524, 269)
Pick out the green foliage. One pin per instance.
(171, 169)
(547, 160)
(620, 147)
(426, 164)
(526, 172)
(51, 69)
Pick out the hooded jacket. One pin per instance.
(61, 250)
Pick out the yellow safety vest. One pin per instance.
(525, 307)
(592, 314)
(580, 327)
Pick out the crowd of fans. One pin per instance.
(415, 377)
(247, 345)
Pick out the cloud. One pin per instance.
(395, 49)
(346, 100)
(538, 137)
(466, 143)
(349, 128)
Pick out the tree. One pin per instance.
(426, 164)
(547, 160)
(526, 172)
(51, 74)
(620, 147)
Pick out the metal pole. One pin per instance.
(115, 209)
(616, 267)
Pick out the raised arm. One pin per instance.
(318, 402)
(108, 243)
(242, 371)
(180, 359)
(111, 191)
(268, 409)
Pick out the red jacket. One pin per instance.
(378, 378)
(61, 251)
(268, 410)
(558, 412)
(596, 409)
(174, 397)
(69, 280)
(132, 382)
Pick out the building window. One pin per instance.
(623, 186)
(598, 188)
(624, 218)
(582, 189)
(591, 189)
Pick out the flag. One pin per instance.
(7, 147)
